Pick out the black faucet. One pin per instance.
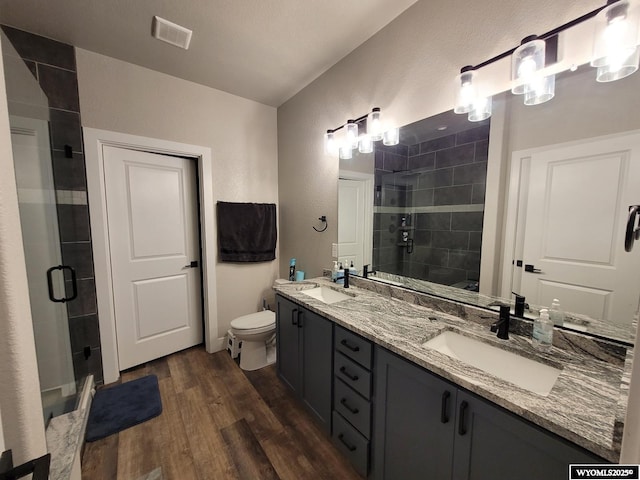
(502, 325)
(346, 278)
(520, 305)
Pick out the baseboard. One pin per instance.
(217, 345)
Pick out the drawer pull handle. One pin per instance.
(346, 444)
(349, 407)
(353, 348)
(444, 418)
(350, 376)
(462, 428)
(294, 316)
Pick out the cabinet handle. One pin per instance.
(349, 407)
(444, 418)
(294, 320)
(353, 348)
(346, 444)
(300, 317)
(462, 420)
(350, 376)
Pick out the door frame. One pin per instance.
(367, 238)
(516, 204)
(95, 140)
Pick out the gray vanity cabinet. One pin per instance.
(414, 421)
(426, 427)
(304, 356)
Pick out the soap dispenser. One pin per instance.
(543, 331)
(556, 314)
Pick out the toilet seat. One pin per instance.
(256, 322)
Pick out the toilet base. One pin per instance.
(256, 355)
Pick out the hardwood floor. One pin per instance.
(218, 422)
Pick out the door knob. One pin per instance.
(193, 264)
(531, 269)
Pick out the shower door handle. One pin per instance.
(74, 284)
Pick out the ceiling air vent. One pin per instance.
(171, 33)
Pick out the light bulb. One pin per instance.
(374, 125)
(481, 109)
(330, 143)
(466, 90)
(365, 144)
(526, 62)
(351, 129)
(391, 137)
(346, 151)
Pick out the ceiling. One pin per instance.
(264, 50)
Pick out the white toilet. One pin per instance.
(257, 333)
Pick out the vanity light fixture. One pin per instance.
(373, 131)
(527, 62)
(616, 54)
(615, 51)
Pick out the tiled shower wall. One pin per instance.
(53, 64)
(438, 186)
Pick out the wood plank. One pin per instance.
(159, 368)
(100, 459)
(209, 451)
(288, 458)
(180, 370)
(247, 454)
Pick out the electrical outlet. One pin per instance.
(334, 250)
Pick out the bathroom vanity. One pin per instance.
(398, 408)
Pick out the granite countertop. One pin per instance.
(584, 405)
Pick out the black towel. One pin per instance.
(247, 232)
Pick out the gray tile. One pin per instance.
(433, 221)
(423, 198)
(394, 197)
(78, 256)
(418, 270)
(473, 135)
(446, 276)
(464, 260)
(69, 173)
(41, 49)
(452, 157)
(458, 195)
(85, 303)
(73, 223)
(436, 178)
(438, 144)
(475, 241)
(60, 86)
(422, 238)
(431, 256)
(65, 130)
(84, 331)
(84, 366)
(394, 163)
(467, 221)
(478, 193)
(482, 151)
(413, 150)
(469, 174)
(450, 240)
(425, 161)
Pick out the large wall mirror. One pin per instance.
(562, 176)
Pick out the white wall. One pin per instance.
(122, 97)
(407, 69)
(22, 421)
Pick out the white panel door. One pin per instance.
(351, 211)
(153, 238)
(575, 223)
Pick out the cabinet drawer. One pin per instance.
(352, 407)
(351, 443)
(353, 346)
(352, 374)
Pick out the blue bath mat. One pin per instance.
(117, 408)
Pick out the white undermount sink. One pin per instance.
(326, 294)
(529, 374)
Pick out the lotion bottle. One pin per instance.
(543, 331)
(555, 313)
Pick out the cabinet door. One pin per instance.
(491, 443)
(414, 421)
(317, 350)
(287, 343)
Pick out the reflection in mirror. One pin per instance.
(566, 171)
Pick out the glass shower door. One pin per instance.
(45, 272)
